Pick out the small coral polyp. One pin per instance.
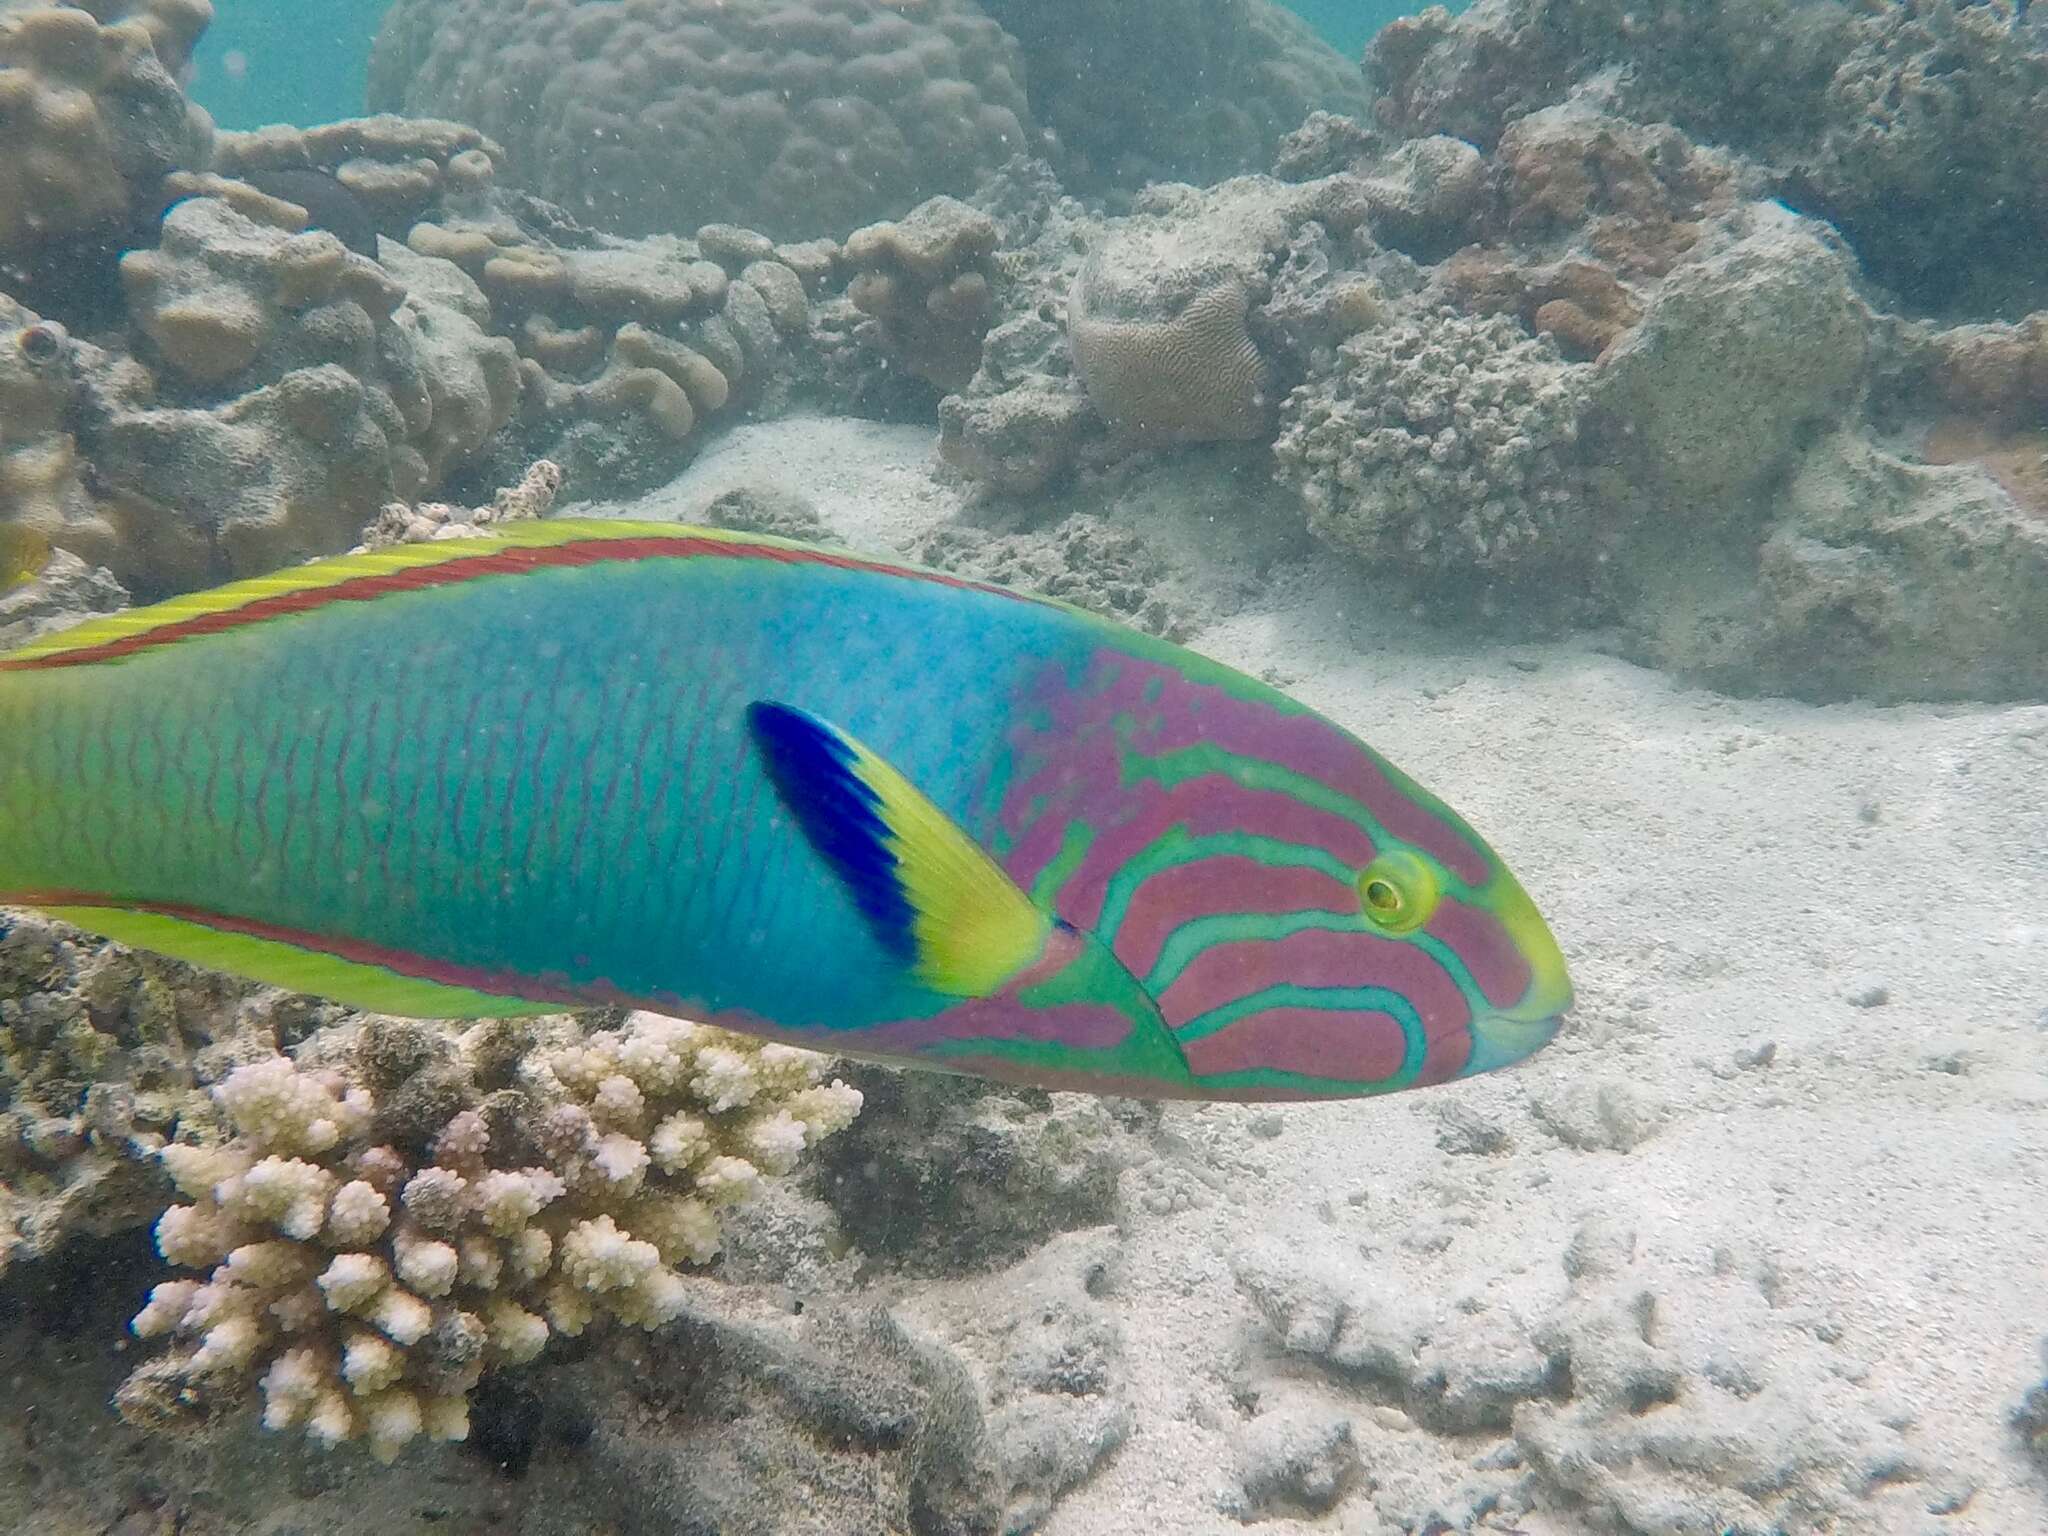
(363, 1287)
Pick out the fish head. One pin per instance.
(1321, 968)
(1307, 920)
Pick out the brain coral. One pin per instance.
(793, 117)
(1442, 444)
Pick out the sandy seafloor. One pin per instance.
(1844, 1244)
(1788, 1235)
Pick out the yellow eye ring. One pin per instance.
(1398, 891)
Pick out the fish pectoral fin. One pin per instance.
(929, 893)
(297, 968)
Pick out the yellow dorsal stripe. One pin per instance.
(338, 570)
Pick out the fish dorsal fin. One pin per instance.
(931, 896)
(369, 574)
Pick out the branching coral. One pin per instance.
(371, 1251)
(1443, 444)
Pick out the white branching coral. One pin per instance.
(1443, 444)
(363, 1289)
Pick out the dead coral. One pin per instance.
(1581, 304)
(401, 522)
(366, 1284)
(1636, 195)
(1081, 560)
(928, 283)
(100, 1051)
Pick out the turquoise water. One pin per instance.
(285, 63)
(275, 63)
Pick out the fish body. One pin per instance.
(855, 806)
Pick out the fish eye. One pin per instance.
(1398, 891)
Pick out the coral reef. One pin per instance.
(1194, 376)
(299, 386)
(928, 283)
(1874, 116)
(396, 170)
(1445, 445)
(382, 1230)
(92, 116)
(638, 341)
(1172, 90)
(795, 119)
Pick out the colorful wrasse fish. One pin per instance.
(880, 811)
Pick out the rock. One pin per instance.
(1296, 1460)
(1746, 355)
(947, 1173)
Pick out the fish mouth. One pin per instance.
(1508, 1035)
(1502, 1039)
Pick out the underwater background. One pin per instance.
(277, 63)
(1631, 419)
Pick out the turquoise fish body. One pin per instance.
(748, 782)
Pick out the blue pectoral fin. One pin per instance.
(930, 895)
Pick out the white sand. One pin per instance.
(1846, 1249)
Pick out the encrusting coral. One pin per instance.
(380, 1230)
(1443, 444)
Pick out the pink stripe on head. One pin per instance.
(1361, 1047)
(1478, 939)
(1223, 973)
(1200, 807)
(1082, 1026)
(1219, 884)
(1186, 713)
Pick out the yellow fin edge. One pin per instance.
(974, 928)
(278, 964)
